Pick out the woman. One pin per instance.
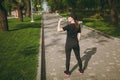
(72, 42)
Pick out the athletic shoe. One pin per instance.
(81, 72)
(67, 74)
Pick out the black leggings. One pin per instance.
(76, 50)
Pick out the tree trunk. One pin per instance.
(102, 2)
(19, 8)
(9, 13)
(114, 13)
(3, 18)
(28, 8)
(20, 14)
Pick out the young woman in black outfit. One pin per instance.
(72, 42)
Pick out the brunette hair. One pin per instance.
(76, 22)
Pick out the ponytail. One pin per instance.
(76, 25)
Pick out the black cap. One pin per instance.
(73, 16)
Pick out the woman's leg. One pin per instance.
(77, 54)
(68, 54)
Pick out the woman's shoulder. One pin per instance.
(71, 24)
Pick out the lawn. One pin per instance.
(19, 50)
(103, 26)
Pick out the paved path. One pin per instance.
(100, 54)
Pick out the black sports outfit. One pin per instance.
(72, 43)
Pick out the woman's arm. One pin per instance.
(79, 36)
(59, 29)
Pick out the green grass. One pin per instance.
(19, 50)
(103, 26)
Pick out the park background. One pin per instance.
(20, 24)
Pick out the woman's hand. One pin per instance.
(61, 19)
(59, 29)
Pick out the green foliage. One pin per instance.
(60, 5)
(19, 50)
(7, 5)
(75, 4)
(79, 5)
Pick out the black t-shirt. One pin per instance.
(72, 33)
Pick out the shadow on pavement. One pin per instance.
(50, 17)
(86, 58)
(51, 23)
(88, 54)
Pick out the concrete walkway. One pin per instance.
(100, 54)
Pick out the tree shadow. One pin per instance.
(50, 17)
(49, 23)
(31, 50)
(86, 58)
(27, 25)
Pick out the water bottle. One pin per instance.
(65, 19)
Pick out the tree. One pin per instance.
(28, 8)
(73, 5)
(102, 6)
(3, 17)
(8, 6)
(19, 7)
(60, 5)
(114, 13)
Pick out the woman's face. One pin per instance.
(70, 19)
